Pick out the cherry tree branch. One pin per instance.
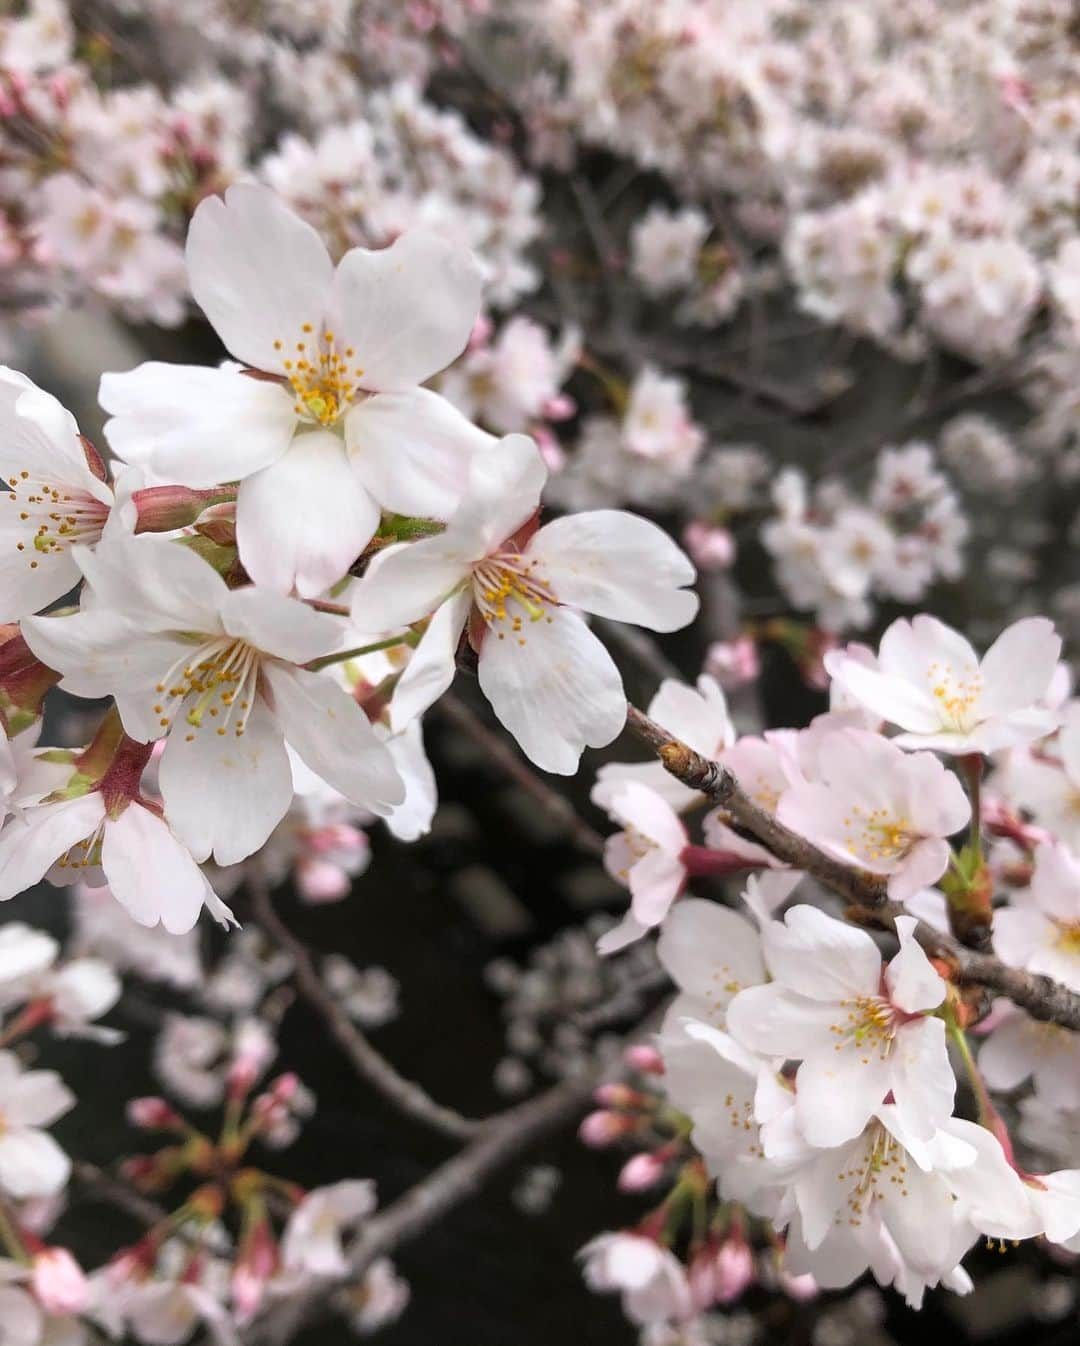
(1040, 996)
(503, 755)
(368, 1063)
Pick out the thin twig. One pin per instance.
(498, 750)
(368, 1063)
(1043, 998)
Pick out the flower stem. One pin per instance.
(342, 656)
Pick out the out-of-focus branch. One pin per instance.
(1042, 997)
(499, 751)
(368, 1063)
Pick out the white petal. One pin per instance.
(772, 1021)
(32, 1164)
(820, 957)
(150, 873)
(697, 715)
(556, 689)
(23, 590)
(412, 819)
(637, 806)
(893, 698)
(1018, 666)
(710, 951)
(923, 1083)
(302, 521)
(912, 981)
(655, 882)
(406, 582)
(407, 310)
(837, 1092)
(333, 736)
(503, 492)
(431, 669)
(40, 436)
(31, 843)
(280, 626)
(196, 426)
(619, 566)
(258, 272)
(37, 1098)
(225, 795)
(412, 450)
(158, 583)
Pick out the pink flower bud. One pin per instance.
(153, 1114)
(319, 881)
(481, 333)
(603, 1128)
(733, 663)
(285, 1086)
(710, 547)
(734, 1269)
(800, 1288)
(163, 508)
(58, 1283)
(619, 1096)
(642, 1057)
(640, 1173)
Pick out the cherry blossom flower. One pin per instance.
(550, 681)
(31, 1162)
(858, 1027)
(56, 497)
(930, 682)
(1040, 929)
(651, 1279)
(218, 672)
(711, 954)
(1019, 1048)
(887, 811)
(312, 1240)
(334, 423)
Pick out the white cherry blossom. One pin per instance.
(31, 1162)
(1040, 929)
(219, 672)
(333, 424)
(875, 806)
(931, 683)
(858, 1027)
(548, 678)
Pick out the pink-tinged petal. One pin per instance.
(258, 272)
(637, 806)
(937, 804)
(412, 819)
(32, 1164)
(817, 956)
(224, 795)
(923, 1083)
(407, 310)
(302, 521)
(32, 842)
(838, 1091)
(1007, 1056)
(1055, 883)
(196, 426)
(612, 776)
(1060, 1206)
(1018, 667)
(655, 882)
(913, 984)
(923, 865)
(431, 669)
(412, 450)
(617, 565)
(710, 951)
(556, 689)
(150, 873)
(909, 650)
(406, 582)
(1057, 962)
(770, 1020)
(334, 737)
(893, 698)
(280, 626)
(1019, 934)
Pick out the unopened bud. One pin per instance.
(163, 509)
(640, 1173)
(710, 547)
(642, 1057)
(620, 1096)
(153, 1114)
(603, 1128)
(734, 1269)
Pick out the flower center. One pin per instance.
(1068, 937)
(876, 836)
(323, 377)
(85, 854)
(869, 1025)
(215, 686)
(53, 517)
(881, 1159)
(957, 694)
(508, 594)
